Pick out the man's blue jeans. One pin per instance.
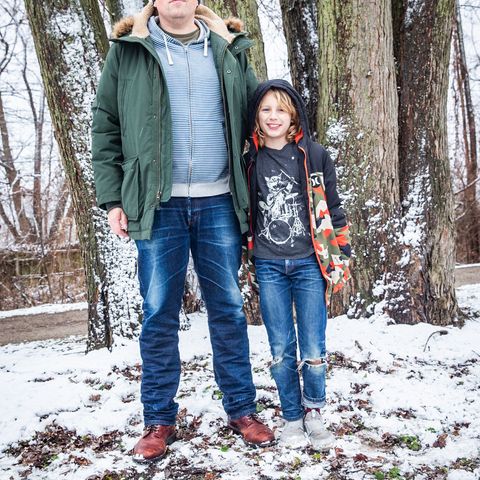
(282, 284)
(208, 227)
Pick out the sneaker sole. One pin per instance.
(140, 459)
(294, 445)
(325, 448)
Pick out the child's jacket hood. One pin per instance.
(261, 91)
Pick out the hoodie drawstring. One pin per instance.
(169, 55)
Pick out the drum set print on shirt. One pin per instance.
(281, 220)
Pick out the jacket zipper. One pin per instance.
(190, 160)
(159, 188)
(227, 120)
(227, 128)
(250, 238)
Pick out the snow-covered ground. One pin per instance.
(45, 308)
(403, 403)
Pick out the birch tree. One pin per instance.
(70, 42)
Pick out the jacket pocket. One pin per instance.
(130, 188)
(123, 100)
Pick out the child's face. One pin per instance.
(273, 120)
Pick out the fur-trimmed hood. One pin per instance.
(136, 25)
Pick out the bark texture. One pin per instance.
(247, 11)
(70, 60)
(300, 24)
(357, 119)
(422, 51)
(117, 9)
(389, 145)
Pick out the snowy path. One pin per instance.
(396, 411)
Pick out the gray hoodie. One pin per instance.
(200, 156)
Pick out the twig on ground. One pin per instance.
(438, 332)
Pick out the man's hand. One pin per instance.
(118, 222)
(214, 22)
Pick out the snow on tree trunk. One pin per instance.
(118, 9)
(247, 11)
(422, 50)
(70, 54)
(300, 24)
(357, 119)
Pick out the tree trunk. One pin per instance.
(469, 224)
(247, 11)
(25, 230)
(38, 123)
(422, 50)
(357, 118)
(97, 27)
(114, 8)
(300, 20)
(118, 9)
(70, 58)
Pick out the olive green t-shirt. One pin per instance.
(185, 38)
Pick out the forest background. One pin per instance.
(392, 90)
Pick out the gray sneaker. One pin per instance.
(320, 438)
(293, 435)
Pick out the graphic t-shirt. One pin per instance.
(282, 228)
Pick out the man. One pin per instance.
(169, 125)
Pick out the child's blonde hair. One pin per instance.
(286, 103)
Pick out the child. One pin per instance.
(299, 242)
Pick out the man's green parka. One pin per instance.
(132, 129)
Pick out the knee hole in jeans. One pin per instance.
(313, 363)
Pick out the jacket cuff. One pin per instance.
(346, 250)
(111, 205)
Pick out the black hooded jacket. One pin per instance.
(317, 158)
(328, 224)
